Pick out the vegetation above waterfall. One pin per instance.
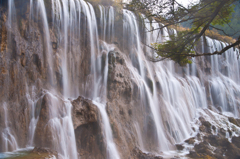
(203, 16)
(116, 3)
(231, 29)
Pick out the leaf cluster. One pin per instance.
(202, 15)
(175, 50)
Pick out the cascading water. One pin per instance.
(49, 56)
(131, 29)
(9, 141)
(165, 109)
(100, 102)
(11, 13)
(70, 18)
(107, 23)
(169, 96)
(225, 78)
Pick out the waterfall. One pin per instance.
(49, 56)
(100, 102)
(65, 142)
(111, 147)
(11, 13)
(69, 20)
(9, 141)
(107, 19)
(175, 108)
(77, 40)
(224, 81)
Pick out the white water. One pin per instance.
(112, 152)
(62, 128)
(176, 106)
(173, 97)
(67, 20)
(11, 13)
(100, 102)
(34, 119)
(9, 141)
(107, 19)
(48, 51)
(224, 82)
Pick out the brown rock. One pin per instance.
(90, 141)
(88, 129)
(234, 121)
(23, 60)
(179, 146)
(207, 124)
(142, 155)
(212, 139)
(119, 81)
(190, 141)
(54, 45)
(203, 147)
(222, 132)
(236, 141)
(202, 128)
(44, 151)
(48, 107)
(83, 112)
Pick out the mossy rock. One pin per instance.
(233, 121)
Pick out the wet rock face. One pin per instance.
(90, 141)
(119, 106)
(3, 31)
(88, 129)
(124, 108)
(222, 149)
(43, 136)
(46, 153)
(190, 141)
(234, 121)
(17, 123)
(137, 153)
(20, 74)
(119, 82)
(83, 112)
(50, 110)
(212, 143)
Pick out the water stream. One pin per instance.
(173, 94)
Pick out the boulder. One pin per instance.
(139, 154)
(47, 108)
(179, 146)
(190, 141)
(88, 129)
(83, 112)
(234, 121)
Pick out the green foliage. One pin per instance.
(174, 50)
(115, 3)
(232, 28)
(223, 16)
(202, 16)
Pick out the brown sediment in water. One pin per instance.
(37, 153)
